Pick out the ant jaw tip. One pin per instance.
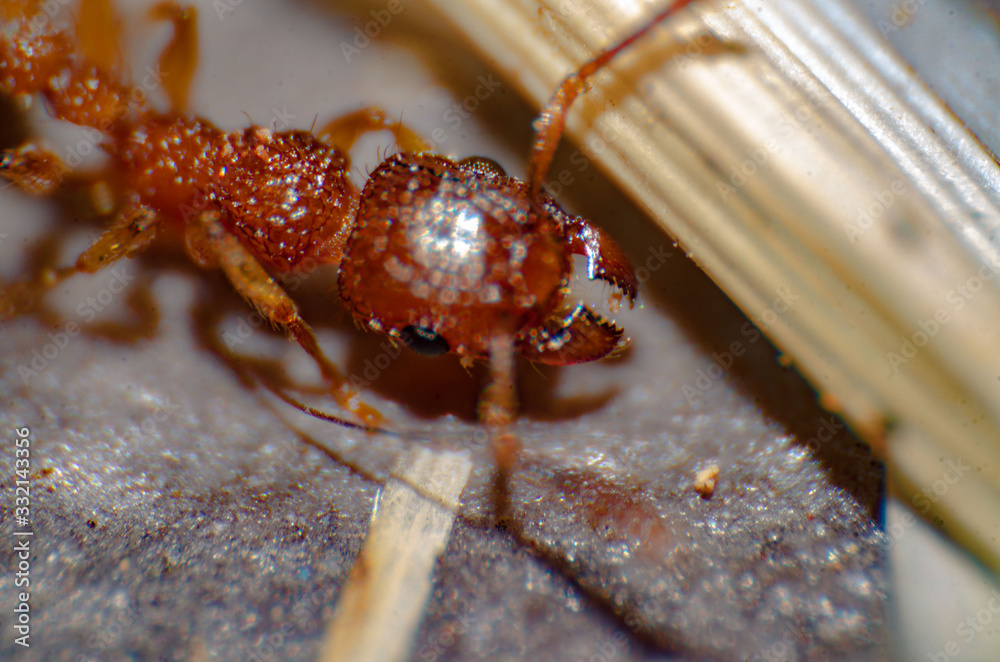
(619, 350)
(614, 333)
(624, 282)
(371, 419)
(630, 289)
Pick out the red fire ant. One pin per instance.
(444, 256)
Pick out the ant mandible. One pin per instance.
(445, 256)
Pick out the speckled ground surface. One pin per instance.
(178, 514)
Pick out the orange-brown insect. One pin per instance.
(443, 255)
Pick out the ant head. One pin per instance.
(444, 253)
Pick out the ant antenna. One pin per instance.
(317, 413)
(552, 120)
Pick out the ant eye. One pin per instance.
(483, 166)
(424, 341)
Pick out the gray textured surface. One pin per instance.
(180, 513)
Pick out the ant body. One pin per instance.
(444, 256)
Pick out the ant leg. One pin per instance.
(210, 244)
(552, 120)
(345, 130)
(179, 59)
(32, 169)
(497, 408)
(131, 233)
(136, 227)
(98, 33)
